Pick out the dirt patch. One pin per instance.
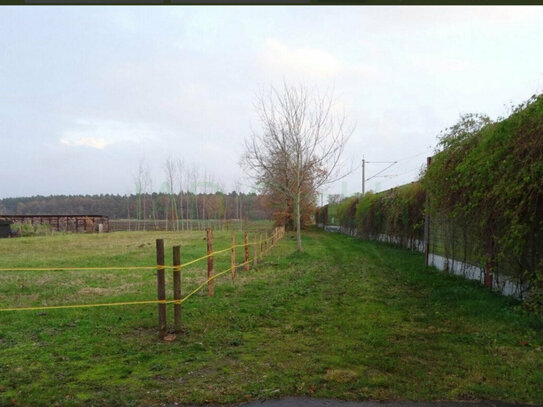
(340, 375)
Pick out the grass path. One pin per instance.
(345, 319)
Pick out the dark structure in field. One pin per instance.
(63, 223)
(5, 228)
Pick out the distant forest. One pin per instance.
(145, 206)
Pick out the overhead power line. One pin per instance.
(392, 163)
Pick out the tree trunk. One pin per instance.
(298, 223)
(144, 213)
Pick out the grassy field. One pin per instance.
(345, 319)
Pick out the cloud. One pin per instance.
(93, 142)
(300, 60)
(306, 62)
(100, 134)
(122, 84)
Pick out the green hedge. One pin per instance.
(488, 182)
(397, 213)
(346, 213)
(485, 191)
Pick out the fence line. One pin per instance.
(275, 237)
(126, 225)
(111, 304)
(188, 263)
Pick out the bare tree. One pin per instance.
(142, 179)
(154, 202)
(170, 170)
(195, 175)
(147, 189)
(237, 188)
(300, 145)
(139, 181)
(192, 177)
(180, 179)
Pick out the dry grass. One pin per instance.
(114, 249)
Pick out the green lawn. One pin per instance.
(346, 319)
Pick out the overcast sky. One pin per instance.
(86, 92)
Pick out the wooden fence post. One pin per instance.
(210, 271)
(233, 257)
(261, 255)
(246, 239)
(177, 288)
(255, 254)
(161, 288)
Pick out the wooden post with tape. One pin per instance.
(233, 257)
(210, 271)
(261, 246)
(177, 288)
(246, 241)
(255, 254)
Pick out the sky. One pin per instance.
(87, 93)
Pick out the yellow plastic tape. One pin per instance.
(125, 267)
(110, 267)
(110, 304)
(78, 268)
(207, 281)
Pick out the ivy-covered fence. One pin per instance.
(396, 215)
(485, 194)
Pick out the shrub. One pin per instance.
(26, 229)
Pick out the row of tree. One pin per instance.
(298, 150)
(187, 192)
(145, 206)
